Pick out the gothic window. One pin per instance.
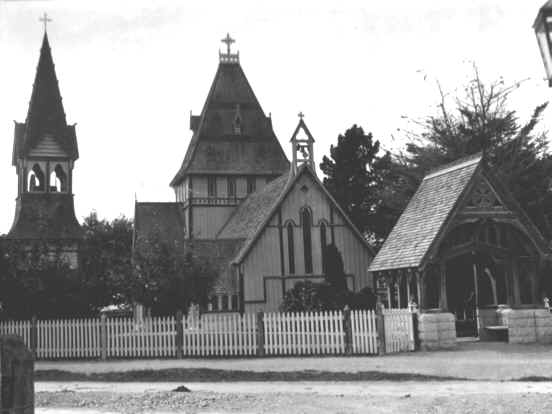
(323, 244)
(251, 185)
(291, 249)
(36, 179)
(237, 126)
(211, 186)
(231, 184)
(58, 180)
(306, 223)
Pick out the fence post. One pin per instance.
(348, 330)
(179, 340)
(103, 336)
(260, 334)
(380, 326)
(34, 335)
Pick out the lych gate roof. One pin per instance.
(420, 223)
(232, 134)
(45, 114)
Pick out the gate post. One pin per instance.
(380, 326)
(179, 340)
(260, 334)
(34, 335)
(103, 336)
(347, 330)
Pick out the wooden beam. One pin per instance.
(443, 303)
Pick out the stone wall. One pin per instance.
(527, 325)
(436, 330)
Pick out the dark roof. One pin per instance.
(216, 147)
(45, 216)
(160, 219)
(252, 216)
(251, 213)
(418, 226)
(45, 113)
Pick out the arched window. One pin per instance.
(291, 249)
(36, 179)
(306, 223)
(62, 178)
(323, 244)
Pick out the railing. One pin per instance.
(362, 332)
(213, 201)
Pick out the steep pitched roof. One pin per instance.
(45, 114)
(255, 212)
(424, 221)
(162, 219)
(217, 147)
(425, 214)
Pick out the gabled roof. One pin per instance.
(254, 214)
(217, 147)
(161, 219)
(431, 209)
(45, 114)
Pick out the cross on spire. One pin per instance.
(228, 40)
(45, 19)
(301, 115)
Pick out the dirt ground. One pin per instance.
(309, 398)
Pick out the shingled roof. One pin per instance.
(45, 114)
(217, 147)
(420, 223)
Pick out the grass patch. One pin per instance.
(217, 375)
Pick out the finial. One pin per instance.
(229, 57)
(45, 19)
(301, 115)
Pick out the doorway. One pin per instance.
(462, 295)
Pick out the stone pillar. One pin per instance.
(16, 376)
(436, 330)
(527, 325)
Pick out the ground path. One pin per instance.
(479, 361)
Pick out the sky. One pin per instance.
(130, 72)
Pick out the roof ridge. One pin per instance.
(454, 165)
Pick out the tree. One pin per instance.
(355, 174)
(481, 121)
(106, 260)
(334, 271)
(167, 280)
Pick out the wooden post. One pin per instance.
(34, 335)
(347, 330)
(103, 337)
(260, 334)
(380, 326)
(419, 290)
(443, 291)
(179, 340)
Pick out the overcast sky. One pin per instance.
(130, 73)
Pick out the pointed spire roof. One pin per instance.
(45, 114)
(217, 145)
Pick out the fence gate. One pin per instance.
(399, 330)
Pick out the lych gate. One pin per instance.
(463, 246)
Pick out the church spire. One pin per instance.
(302, 147)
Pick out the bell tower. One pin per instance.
(44, 153)
(302, 146)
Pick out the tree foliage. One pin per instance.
(355, 173)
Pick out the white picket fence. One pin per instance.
(211, 335)
(304, 333)
(222, 334)
(399, 330)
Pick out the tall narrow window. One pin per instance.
(307, 239)
(250, 185)
(231, 183)
(323, 245)
(211, 186)
(291, 249)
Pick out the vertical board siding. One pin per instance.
(399, 330)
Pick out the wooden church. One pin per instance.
(240, 203)
(44, 152)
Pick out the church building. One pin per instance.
(262, 220)
(44, 152)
